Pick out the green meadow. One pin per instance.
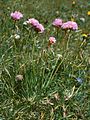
(40, 80)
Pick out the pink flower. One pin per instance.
(33, 22)
(70, 25)
(39, 27)
(16, 15)
(57, 22)
(52, 40)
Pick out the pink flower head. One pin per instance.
(16, 15)
(33, 22)
(39, 27)
(52, 40)
(57, 22)
(70, 25)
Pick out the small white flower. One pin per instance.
(16, 36)
(19, 77)
(59, 56)
(11, 36)
(25, 23)
(82, 19)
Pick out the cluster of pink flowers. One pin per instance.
(35, 23)
(40, 28)
(57, 22)
(67, 25)
(16, 15)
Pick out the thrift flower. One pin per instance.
(57, 22)
(70, 25)
(52, 40)
(39, 28)
(16, 15)
(35, 23)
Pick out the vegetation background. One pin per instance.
(56, 81)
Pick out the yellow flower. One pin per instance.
(88, 13)
(84, 35)
(73, 2)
